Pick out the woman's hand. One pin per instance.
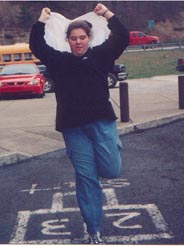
(102, 10)
(45, 15)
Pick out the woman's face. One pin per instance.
(78, 41)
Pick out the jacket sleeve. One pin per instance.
(117, 42)
(46, 54)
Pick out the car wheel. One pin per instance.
(112, 80)
(153, 44)
(145, 46)
(49, 85)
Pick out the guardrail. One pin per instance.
(162, 46)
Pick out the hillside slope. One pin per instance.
(167, 16)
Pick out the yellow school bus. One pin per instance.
(16, 53)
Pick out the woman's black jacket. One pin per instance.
(81, 85)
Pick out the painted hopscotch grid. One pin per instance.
(125, 219)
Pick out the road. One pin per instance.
(155, 47)
(143, 206)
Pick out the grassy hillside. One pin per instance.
(151, 63)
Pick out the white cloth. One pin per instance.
(56, 27)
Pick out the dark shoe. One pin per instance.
(95, 239)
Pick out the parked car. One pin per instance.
(140, 38)
(180, 65)
(117, 74)
(22, 79)
(49, 83)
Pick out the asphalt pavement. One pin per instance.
(27, 126)
(144, 206)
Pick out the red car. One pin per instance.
(140, 38)
(22, 79)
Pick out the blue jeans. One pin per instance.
(94, 150)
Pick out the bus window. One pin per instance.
(34, 57)
(17, 57)
(28, 56)
(6, 57)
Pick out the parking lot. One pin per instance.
(27, 126)
(143, 206)
(38, 193)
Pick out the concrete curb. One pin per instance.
(17, 157)
(134, 127)
(13, 158)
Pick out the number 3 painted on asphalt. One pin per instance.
(50, 227)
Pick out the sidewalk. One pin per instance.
(26, 133)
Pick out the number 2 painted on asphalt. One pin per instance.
(126, 216)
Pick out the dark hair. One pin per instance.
(85, 25)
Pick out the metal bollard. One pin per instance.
(181, 91)
(124, 102)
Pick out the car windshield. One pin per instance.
(42, 68)
(19, 69)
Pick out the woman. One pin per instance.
(84, 113)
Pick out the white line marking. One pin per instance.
(70, 193)
(57, 202)
(20, 228)
(33, 190)
(132, 239)
(111, 198)
(118, 183)
(137, 238)
(158, 220)
(114, 182)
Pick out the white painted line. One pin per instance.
(43, 242)
(131, 239)
(49, 211)
(135, 239)
(157, 218)
(70, 184)
(161, 226)
(71, 193)
(33, 190)
(111, 198)
(20, 228)
(57, 202)
(117, 183)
